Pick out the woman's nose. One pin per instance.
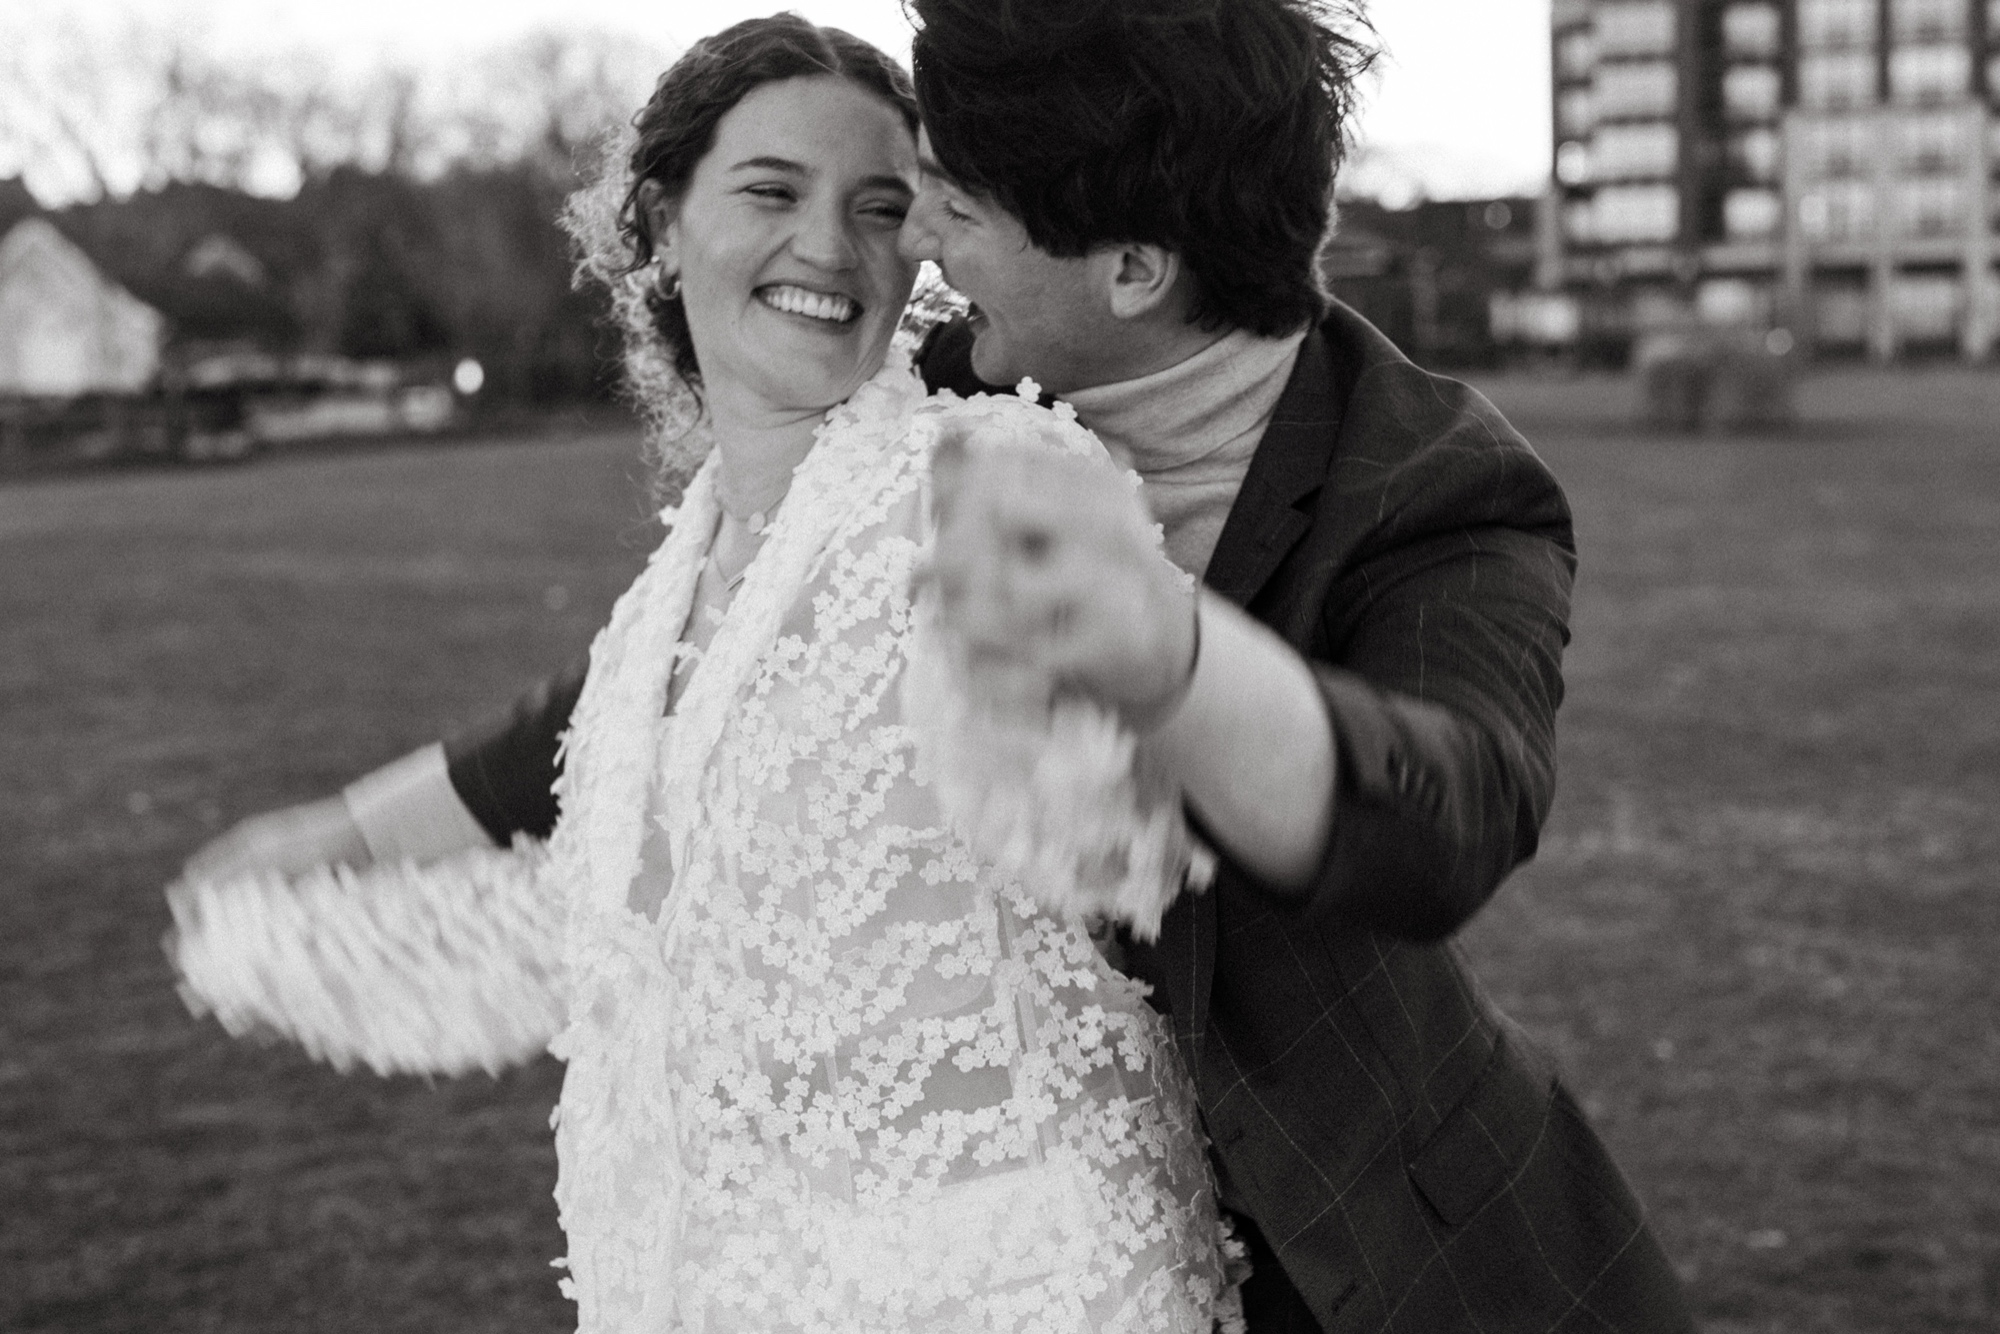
(825, 238)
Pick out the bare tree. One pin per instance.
(550, 97)
(60, 104)
(103, 115)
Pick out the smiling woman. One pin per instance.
(740, 126)
(832, 1063)
(783, 246)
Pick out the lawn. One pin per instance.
(1761, 936)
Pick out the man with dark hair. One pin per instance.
(1359, 705)
(1360, 708)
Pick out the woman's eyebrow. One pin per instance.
(791, 168)
(771, 164)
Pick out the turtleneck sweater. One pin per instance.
(1190, 430)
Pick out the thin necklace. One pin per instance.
(755, 525)
(756, 520)
(730, 583)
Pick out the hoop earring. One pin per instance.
(668, 285)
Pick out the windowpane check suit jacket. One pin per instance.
(1406, 1159)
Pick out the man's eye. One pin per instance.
(955, 213)
(888, 211)
(781, 193)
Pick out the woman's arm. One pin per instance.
(438, 969)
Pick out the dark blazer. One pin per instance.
(1401, 1152)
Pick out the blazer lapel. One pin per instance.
(1290, 464)
(1263, 526)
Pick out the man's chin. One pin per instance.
(990, 359)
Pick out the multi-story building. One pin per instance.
(1824, 167)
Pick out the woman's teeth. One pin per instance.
(812, 305)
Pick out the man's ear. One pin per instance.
(1142, 278)
(662, 212)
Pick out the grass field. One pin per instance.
(1762, 935)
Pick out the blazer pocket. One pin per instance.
(1485, 1141)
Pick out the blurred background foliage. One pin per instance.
(400, 213)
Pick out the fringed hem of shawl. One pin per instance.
(435, 969)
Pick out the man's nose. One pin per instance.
(915, 240)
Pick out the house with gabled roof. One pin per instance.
(66, 328)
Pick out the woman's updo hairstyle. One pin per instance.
(669, 138)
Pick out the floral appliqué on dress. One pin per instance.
(845, 1076)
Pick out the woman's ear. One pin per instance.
(662, 213)
(1143, 278)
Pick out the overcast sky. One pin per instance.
(1460, 107)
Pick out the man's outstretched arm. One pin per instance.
(1047, 569)
(1444, 677)
(505, 771)
(1393, 771)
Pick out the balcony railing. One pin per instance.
(1837, 24)
(1635, 27)
(1929, 75)
(1750, 31)
(1837, 80)
(1632, 91)
(1928, 20)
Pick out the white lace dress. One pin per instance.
(847, 1076)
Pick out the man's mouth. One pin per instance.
(828, 307)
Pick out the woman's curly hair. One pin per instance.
(664, 144)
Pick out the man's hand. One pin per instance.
(1048, 570)
(287, 841)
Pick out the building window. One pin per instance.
(1833, 81)
(1928, 75)
(1576, 52)
(1926, 306)
(1928, 209)
(1750, 31)
(1833, 24)
(1928, 20)
(1573, 163)
(1574, 114)
(1837, 146)
(1635, 28)
(1634, 213)
(1754, 155)
(1545, 319)
(1750, 92)
(1733, 301)
(1751, 215)
(1625, 92)
(1633, 152)
(1930, 145)
(1576, 222)
(1840, 314)
(1838, 211)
